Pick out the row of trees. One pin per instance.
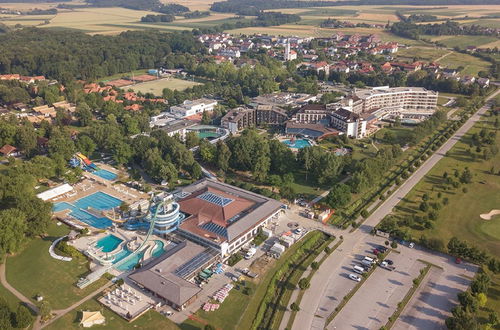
(157, 18)
(408, 29)
(464, 316)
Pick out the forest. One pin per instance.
(68, 55)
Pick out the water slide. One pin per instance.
(86, 161)
(95, 275)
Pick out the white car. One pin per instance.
(355, 277)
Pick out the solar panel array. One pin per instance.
(214, 228)
(215, 199)
(185, 270)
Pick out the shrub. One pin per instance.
(314, 265)
(294, 307)
(304, 283)
(364, 213)
(233, 260)
(394, 245)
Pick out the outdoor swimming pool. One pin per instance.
(298, 144)
(108, 243)
(130, 264)
(105, 174)
(98, 201)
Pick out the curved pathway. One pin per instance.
(19, 295)
(307, 317)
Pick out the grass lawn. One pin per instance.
(34, 272)
(493, 303)
(11, 300)
(150, 320)
(427, 54)
(472, 65)
(156, 86)
(460, 217)
(225, 317)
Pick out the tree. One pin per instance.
(223, 156)
(304, 283)
(466, 176)
(12, 229)
(5, 315)
(482, 299)
(192, 139)
(83, 114)
(85, 145)
(339, 196)
(493, 318)
(23, 317)
(294, 307)
(205, 118)
(314, 265)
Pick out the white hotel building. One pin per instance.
(190, 108)
(384, 101)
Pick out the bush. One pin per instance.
(304, 283)
(314, 265)
(248, 291)
(233, 260)
(394, 245)
(23, 317)
(364, 214)
(294, 307)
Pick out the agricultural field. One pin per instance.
(460, 215)
(464, 41)
(156, 86)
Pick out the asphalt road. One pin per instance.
(312, 307)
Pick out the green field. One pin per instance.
(34, 272)
(151, 320)
(471, 65)
(460, 217)
(156, 86)
(225, 317)
(462, 41)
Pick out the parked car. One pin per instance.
(298, 231)
(376, 252)
(411, 245)
(458, 260)
(382, 248)
(355, 277)
(389, 261)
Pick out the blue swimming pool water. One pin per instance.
(298, 144)
(130, 264)
(108, 243)
(98, 201)
(105, 174)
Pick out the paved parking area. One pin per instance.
(379, 295)
(436, 296)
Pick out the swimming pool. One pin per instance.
(108, 243)
(298, 144)
(97, 201)
(105, 174)
(130, 264)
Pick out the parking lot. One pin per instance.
(379, 295)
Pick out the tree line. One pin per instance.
(152, 5)
(252, 7)
(157, 18)
(410, 30)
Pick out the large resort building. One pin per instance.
(385, 100)
(353, 116)
(222, 216)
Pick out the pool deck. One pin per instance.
(92, 184)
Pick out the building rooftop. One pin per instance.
(222, 212)
(160, 276)
(367, 92)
